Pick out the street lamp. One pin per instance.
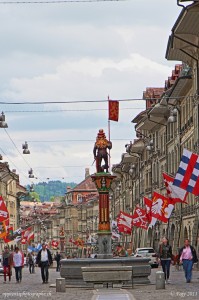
(3, 124)
(30, 172)
(25, 148)
(173, 115)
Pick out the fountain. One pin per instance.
(105, 268)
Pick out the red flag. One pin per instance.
(25, 234)
(113, 109)
(139, 218)
(55, 243)
(162, 207)
(3, 210)
(9, 237)
(148, 205)
(175, 193)
(30, 237)
(124, 222)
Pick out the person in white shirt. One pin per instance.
(18, 263)
(44, 260)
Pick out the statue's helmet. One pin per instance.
(101, 134)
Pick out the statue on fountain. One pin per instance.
(100, 151)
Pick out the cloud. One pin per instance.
(77, 51)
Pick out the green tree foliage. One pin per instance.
(35, 195)
(48, 190)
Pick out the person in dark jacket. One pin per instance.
(165, 255)
(44, 260)
(7, 263)
(188, 257)
(57, 259)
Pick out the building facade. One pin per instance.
(169, 124)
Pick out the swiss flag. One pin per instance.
(140, 218)
(162, 207)
(174, 192)
(113, 109)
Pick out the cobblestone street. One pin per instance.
(177, 289)
(32, 288)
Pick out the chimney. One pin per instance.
(87, 174)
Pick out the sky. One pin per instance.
(76, 52)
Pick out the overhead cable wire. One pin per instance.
(91, 101)
(60, 141)
(56, 1)
(18, 149)
(67, 110)
(21, 172)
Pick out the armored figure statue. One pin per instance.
(100, 151)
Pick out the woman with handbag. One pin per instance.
(165, 255)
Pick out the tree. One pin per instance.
(35, 195)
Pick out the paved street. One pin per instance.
(177, 289)
(32, 288)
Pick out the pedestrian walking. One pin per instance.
(188, 257)
(44, 260)
(165, 255)
(18, 263)
(57, 259)
(34, 262)
(30, 263)
(7, 263)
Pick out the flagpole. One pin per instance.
(109, 137)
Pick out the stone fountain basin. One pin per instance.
(72, 272)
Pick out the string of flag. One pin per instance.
(160, 207)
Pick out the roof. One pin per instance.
(86, 185)
(183, 42)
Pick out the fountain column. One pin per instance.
(103, 184)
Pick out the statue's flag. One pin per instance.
(175, 193)
(113, 110)
(162, 207)
(187, 176)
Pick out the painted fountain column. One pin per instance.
(103, 182)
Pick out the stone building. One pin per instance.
(167, 126)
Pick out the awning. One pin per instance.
(149, 123)
(117, 168)
(180, 87)
(137, 147)
(128, 159)
(184, 40)
(159, 110)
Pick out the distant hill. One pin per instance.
(50, 189)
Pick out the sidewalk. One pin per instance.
(177, 289)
